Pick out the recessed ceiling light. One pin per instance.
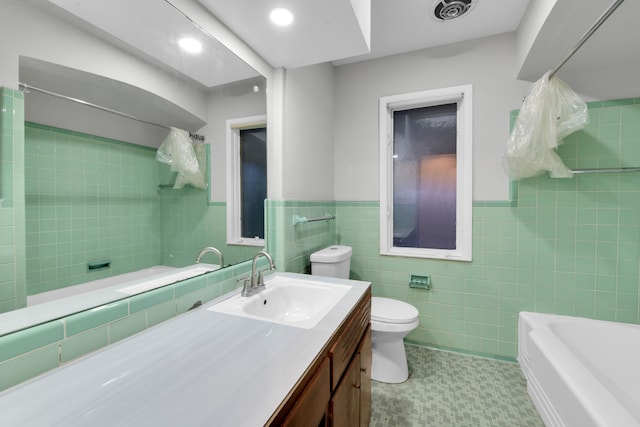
(281, 16)
(190, 45)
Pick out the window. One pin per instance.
(246, 180)
(425, 174)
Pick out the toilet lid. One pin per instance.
(392, 311)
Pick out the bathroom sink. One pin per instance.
(288, 301)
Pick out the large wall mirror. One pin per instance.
(103, 83)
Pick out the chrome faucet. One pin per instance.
(256, 284)
(211, 249)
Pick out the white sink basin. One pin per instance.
(288, 301)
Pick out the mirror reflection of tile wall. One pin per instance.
(12, 241)
(91, 199)
(88, 199)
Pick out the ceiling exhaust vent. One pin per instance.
(446, 10)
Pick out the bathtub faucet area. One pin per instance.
(210, 249)
(256, 283)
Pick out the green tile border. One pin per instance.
(123, 328)
(148, 299)
(81, 344)
(190, 285)
(29, 365)
(371, 203)
(11, 92)
(462, 351)
(30, 352)
(613, 103)
(493, 204)
(25, 341)
(95, 317)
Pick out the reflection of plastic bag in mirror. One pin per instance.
(550, 112)
(178, 152)
(197, 180)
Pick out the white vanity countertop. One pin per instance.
(201, 368)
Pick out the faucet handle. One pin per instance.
(242, 281)
(260, 277)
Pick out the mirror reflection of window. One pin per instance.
(246, 180)
(253, 177)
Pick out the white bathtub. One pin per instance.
(127, 283)
(581, 372)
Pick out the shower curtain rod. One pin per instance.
(612, 7)
(588, 34)
(23, 87)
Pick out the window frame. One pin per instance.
(463, 97)
(234, 199)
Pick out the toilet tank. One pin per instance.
(333, 261)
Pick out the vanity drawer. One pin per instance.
(348, 339)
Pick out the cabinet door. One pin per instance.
(311, 406)
(347, 342)
(345, 403)
(365, 379)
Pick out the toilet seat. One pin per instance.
(386, 310)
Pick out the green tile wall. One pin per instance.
(291, 244)
(566, 246)
(12, 205)
(88, 199)
(33, 351)
(189, 222)
(91, 199)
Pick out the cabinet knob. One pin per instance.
(363, 369)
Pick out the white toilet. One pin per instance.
(391, 320)
(333, 261)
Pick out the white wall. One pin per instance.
(488, 64)
(308, 150)
(47, 110)
(532, 21)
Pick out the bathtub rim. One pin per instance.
(575, 375)
(97, 284)
(30, 316)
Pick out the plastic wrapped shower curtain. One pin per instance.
(550, 112)
(184, 158)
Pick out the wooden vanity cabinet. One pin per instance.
(350, 404)
(310, 407)
(364, 351)
(344, 408)
(336, 389)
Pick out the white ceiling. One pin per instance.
(152, 28)
(327, 30)
(410, 27)
(605, 67)
(334, 30)
(321, 31)
(614, 47)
